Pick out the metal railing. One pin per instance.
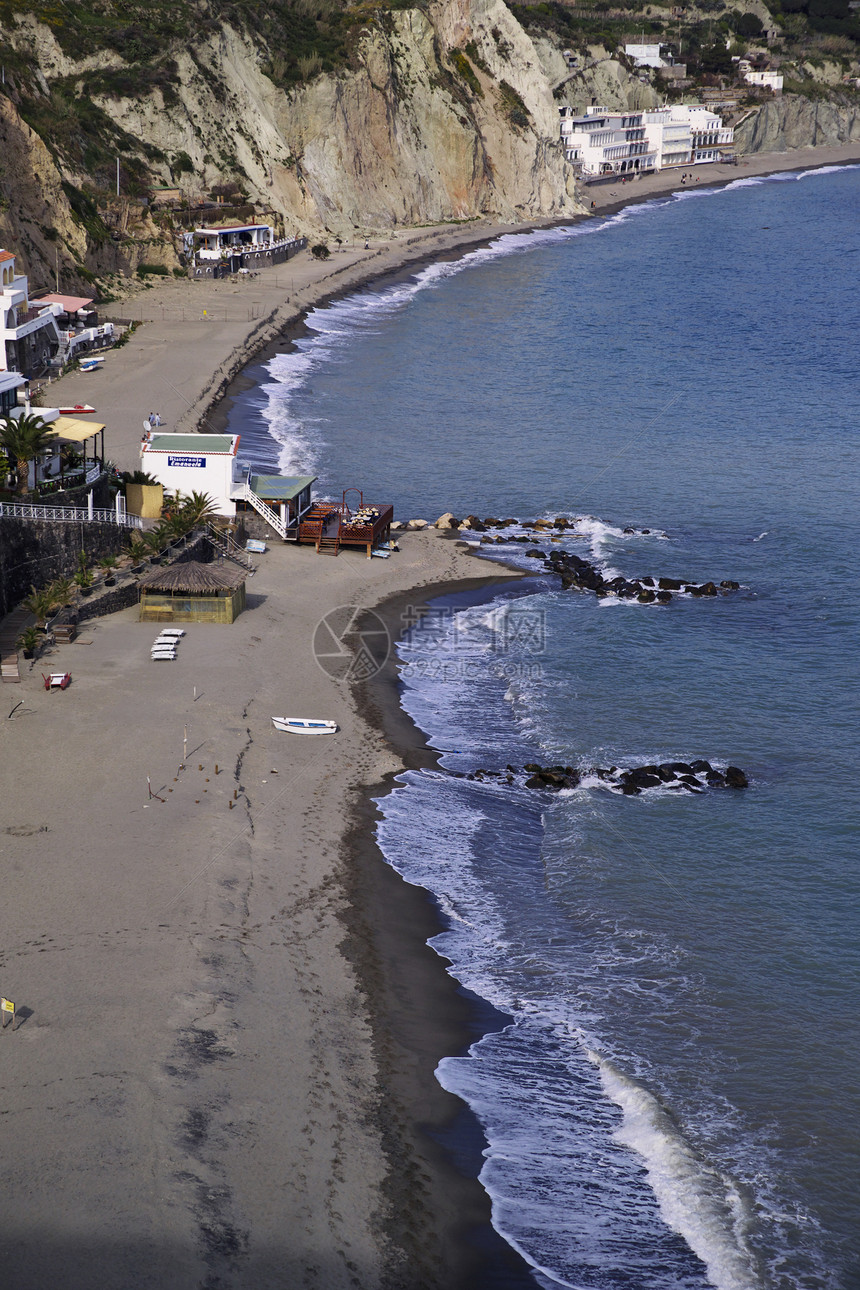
(68, 514)
(225, 546)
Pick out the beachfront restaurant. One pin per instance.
(209, 463)
(74, 460)
(230, 242)
(192, 592)
(194, 463)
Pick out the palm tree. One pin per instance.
(197, 509)
(40, 602)
(61, 590)
(24, 438)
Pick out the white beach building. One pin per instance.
(606, 143)
(610, 143)
(29, 337)
(227, 240)
(208, 463)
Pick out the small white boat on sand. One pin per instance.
(304, 726)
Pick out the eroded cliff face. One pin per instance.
(796, 122)
(444, 114)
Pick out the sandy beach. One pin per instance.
(195, 1082)
(221, 1072)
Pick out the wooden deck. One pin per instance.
(331, 525)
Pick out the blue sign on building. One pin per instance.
(186, 461)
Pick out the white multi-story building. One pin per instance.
(606, 143)
(28, 336)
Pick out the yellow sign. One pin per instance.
(7, 1005)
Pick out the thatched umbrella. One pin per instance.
(192, 578)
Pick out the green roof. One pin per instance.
(280, 488)
(193, 443)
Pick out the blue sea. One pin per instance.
(675, 1100)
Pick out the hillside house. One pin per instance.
(29, 336)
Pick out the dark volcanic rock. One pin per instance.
(641, 778)
(729, 585)
(677, 767)
(699, 767)
(670, 584)
(663, 597)
(735, 777)
(647, 597)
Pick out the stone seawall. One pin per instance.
(35, 552)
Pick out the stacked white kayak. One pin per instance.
(165, 643)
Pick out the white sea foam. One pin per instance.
(697, 1201)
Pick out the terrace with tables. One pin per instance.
(332, 525)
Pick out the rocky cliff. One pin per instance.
(443, 112)
(797, 122)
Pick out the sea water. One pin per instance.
(675, 1101)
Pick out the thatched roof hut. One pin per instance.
(191, 578)
(192, 592)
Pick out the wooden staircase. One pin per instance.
(10, 630)
(321, 525)
(329, 542)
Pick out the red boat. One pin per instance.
(80, 409)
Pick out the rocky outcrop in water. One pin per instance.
(679, 776)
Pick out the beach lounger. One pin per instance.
(158, 654)
(169, 641)
(172, 631)
(57, 680)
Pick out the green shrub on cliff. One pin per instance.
(466, 71)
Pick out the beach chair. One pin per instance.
(169, 642)
(158, 655)
(172, 631)
(57, 680)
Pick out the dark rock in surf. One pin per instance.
(670, 584)
(735, 777)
